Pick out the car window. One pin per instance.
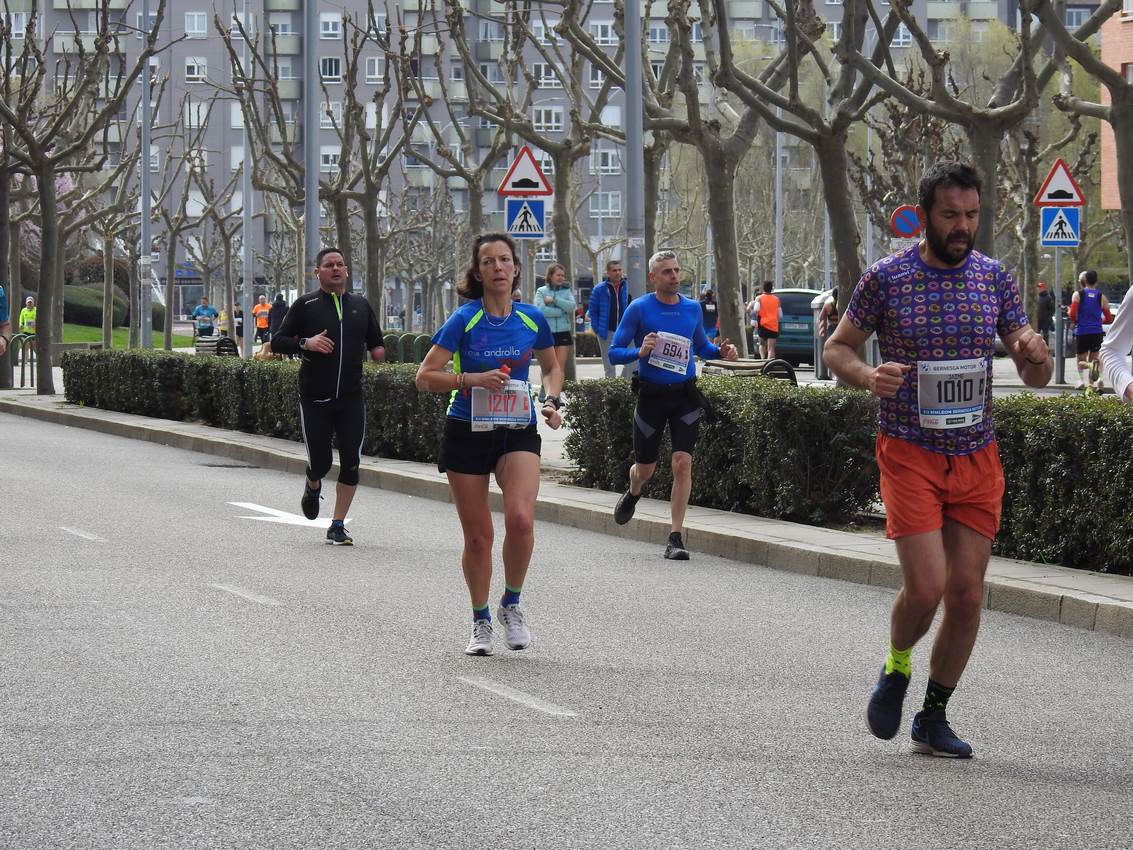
(796, 304)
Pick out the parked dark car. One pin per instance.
(796, 328)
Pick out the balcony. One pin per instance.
(429, 46)
(73, 42)
(942, 10)
(290, 89)
(285, 44)
(489, 51)
(81, 5)
(490, 7)
(983, 11)
(288, 132)
(745, 10)
(419, 177)
(283, 5)
(483, 138)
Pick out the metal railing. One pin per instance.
(23, 352)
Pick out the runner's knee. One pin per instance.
(478, 543)
(965, 601)
(348, 475)
(519, 522)
(682, 465)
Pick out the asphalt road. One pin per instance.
(175, 675)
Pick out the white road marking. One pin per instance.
(246, 594)
(274, 515)
(86, 535)
(519, 696)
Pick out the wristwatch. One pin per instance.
(554, 400)
(303, 342)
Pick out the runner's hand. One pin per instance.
(727, 350)
(554, 417)
(321, 343)
(496, 379)
(647, 345)
(886, 379)
(1030, 346)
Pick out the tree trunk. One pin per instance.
(564, 203)
(229, 287)
(15, 271)
(60, 273)
(49, 239)
(5, 247)
(135, 298)
(170, 272)
(721, 173)
(342, 231)
(653, 159)
(1121, 120)
(107, 289)
(844, 235)
(300, 261)
(476, 204)
(985, 141)
(375, 258)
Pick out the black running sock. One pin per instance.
(936, 697)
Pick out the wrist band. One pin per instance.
(460, 381)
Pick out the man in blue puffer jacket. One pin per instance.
(608, 302)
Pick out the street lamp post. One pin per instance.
(246, 228)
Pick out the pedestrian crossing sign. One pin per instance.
(525, 218)
(1061, 226)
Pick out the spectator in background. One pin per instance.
(710, 314)
(261, 315)
(1089, 310)
(27, 317)
(765, 315)
(1045, 313)
(275, 314)
(238, 320)
(556, 302)
(608, 301)
(5, 322)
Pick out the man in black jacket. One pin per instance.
(334, 330)
(276, 314)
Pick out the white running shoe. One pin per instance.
(1081, 385)
(516, 633)
(481, 642)
(1098, 384)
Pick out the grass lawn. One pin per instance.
(85, 333)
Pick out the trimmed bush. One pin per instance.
(770, 448)
(83, 306)
(148, 383)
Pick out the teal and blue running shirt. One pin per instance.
(478, 345)
(648, 314)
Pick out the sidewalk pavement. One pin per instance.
(1077, 598)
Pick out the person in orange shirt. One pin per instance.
(765, 315)
(260, 313)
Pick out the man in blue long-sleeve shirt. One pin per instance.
(662, 331)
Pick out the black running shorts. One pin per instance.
(1089, 343)
(477, 452)
(677, 405)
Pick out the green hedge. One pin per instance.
(772, 449)
(254, 396)
(83, 306)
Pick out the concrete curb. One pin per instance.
(1075, 598)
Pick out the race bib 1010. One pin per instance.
(951, 393)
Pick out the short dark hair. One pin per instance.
(948, 173)
(1091, 277)
(472, 286)
(611, 263)
(768, 285)
(319, 257)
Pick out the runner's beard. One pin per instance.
(943, 251)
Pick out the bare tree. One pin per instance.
(64, 127)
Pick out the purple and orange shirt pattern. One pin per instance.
(921, 313)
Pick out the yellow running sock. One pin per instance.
(899, 660)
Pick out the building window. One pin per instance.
(330, 25)
(902, 37)
(941, 30)
(1127, 7)
(658, 34)
(196, 24)
(143, 29)
(330, 68)
(1076, 17)
(492, 72)
(606, 205)
(548, 119)
(375, 69)
(196, 114)
(545, 76)
(603, 32)
(491, 31)
(236, 157)
(154, 158)
(544, 32)
(238, 26)
(697, 34)
(605, 161)
(330, 115)
(328, 158)
(284, 68)
(281, 24)
(456, 71)
(597, 78)
(237, 115)
(196, 69)
(657, 68)
(197, 159)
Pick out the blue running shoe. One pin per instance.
(933, 736)
(884, 712)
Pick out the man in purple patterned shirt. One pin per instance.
(936, 308)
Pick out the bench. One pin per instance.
(221, 345)
(778, 369)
